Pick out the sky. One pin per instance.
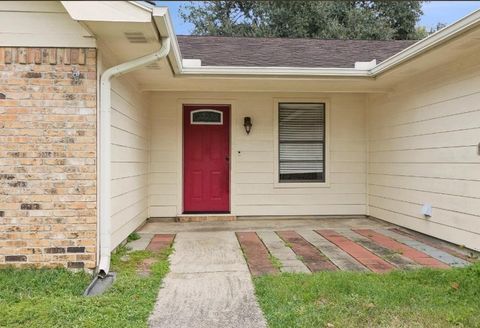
(433, 13)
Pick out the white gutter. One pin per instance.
(105, 142)
(275, 71)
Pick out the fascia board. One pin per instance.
(143, 5)
(275, 71)
(161, 17)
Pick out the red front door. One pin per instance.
(206, 152)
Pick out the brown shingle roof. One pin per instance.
(277, 52)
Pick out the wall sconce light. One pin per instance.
(247, 124)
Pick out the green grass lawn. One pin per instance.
(420, 298)
(53, 298)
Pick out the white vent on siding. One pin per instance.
(136, 37)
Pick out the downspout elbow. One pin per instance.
(105, 142)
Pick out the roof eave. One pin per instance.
(145, 5)
(459, 27)
(163, 21)
(107, 11)
(165, 27)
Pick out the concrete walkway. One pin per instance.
(209, 285)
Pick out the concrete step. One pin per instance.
(205, 218)
(155, 219)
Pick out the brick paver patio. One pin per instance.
(365, 247)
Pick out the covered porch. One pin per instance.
(399, 138)
(381, 159)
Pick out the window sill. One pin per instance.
(298, 185)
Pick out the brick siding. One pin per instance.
(47, 157)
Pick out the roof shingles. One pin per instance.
(277, 52)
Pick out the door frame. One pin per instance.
(181, 102)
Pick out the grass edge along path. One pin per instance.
(417, 298)
(53, 297)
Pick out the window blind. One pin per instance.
(301, 142)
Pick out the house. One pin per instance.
(107, 118)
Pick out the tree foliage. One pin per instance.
(378, 20)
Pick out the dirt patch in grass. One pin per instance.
(145, 267)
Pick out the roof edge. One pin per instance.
(165, 26)
(455, 29)
(145, 5)
(163, 21)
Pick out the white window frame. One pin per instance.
(205, 110)
(276, 159)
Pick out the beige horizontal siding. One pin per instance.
(130, 159)
(253, 191)
(40, 24)
(163, 173)
(455, 171)
(423, 149)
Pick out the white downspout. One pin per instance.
(105, 142)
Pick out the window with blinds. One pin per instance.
(301, 142)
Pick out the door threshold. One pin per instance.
(220, 217)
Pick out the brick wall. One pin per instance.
(47, 157)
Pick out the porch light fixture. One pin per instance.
(247, 124)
